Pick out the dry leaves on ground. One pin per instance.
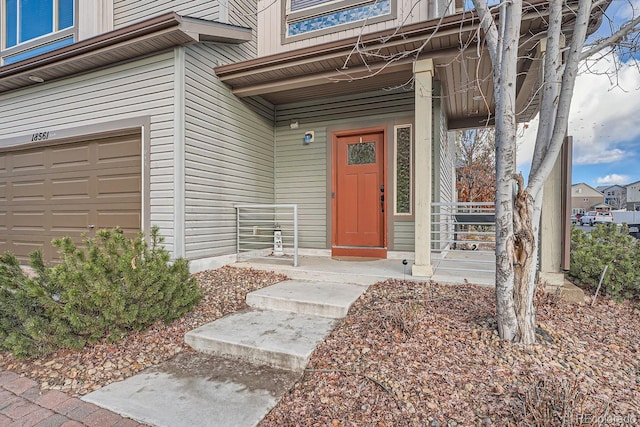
(409, 354)
(81, 372)
(426, 354)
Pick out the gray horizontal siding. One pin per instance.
(403, 236)
(229, 154)
(235, 12)
(141, 88)
(444, 179)
(301, 178)
(301, 170)
(126, 12)
(244, 14)
(346, 107)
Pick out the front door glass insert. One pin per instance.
(363, 153)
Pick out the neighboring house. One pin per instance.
(585, 198)
(138, 113)
(633, 196)
(614, 195)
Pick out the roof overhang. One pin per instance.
(131, 42)
(384, 60)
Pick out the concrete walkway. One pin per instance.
(245, 361)
(23, 403)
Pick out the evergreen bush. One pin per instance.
(607, 244)
(104, 288)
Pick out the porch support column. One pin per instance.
(553, 219)
(555, 228)
(423, 77)
(551, 227)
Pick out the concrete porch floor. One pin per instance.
(452, 267)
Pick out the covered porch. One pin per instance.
(453, 267)
(430, 78)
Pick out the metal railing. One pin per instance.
(257, 227)
(464, 230)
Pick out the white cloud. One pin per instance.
(594, 158)
(613, 179)
(602, 118)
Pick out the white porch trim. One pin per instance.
(423, 85)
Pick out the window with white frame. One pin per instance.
(403, 164)
(32, 27)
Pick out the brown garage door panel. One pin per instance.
(127, 220)
(118, 149)
(73, 157)
(62, 221)
(120, 185)
(63, 190)
(28, 161)
(70, 188)
(28, 220)
(28, 190)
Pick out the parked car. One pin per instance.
(596, 217)
(575, 219)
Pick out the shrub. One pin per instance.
(556, 402)
(105, 288)
(609, 245)
(25, 327)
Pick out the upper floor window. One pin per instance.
(307, 18)
(32, 27)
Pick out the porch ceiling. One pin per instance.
(131, 42)
(385, 59)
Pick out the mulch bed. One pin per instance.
(416, 354)
(409, 354)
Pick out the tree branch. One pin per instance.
(613, 39)
(537, 179)
(488, 25)
(551, 85)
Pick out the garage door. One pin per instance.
(66, 190)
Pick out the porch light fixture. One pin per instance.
(36, 79)
(477, 97)
(293, 124)
(308, 137)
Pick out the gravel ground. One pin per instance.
(409, 354)
(416, 354)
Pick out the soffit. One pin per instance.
(131, 42)
(385, 60)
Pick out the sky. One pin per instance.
(604, 122)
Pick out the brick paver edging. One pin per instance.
(23, 403)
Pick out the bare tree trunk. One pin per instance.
(505, 88)
(525, 255)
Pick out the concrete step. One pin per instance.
(568, 292)
(326, 299)
(326, 269)
(276, 338)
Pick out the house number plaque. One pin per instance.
(40, 136)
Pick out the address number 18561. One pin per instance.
(40, 136)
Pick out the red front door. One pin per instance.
(358, 203)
